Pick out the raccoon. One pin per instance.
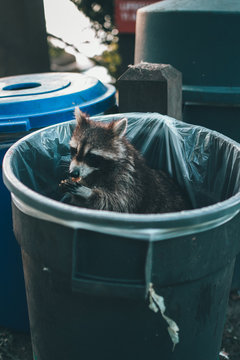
(108, 173)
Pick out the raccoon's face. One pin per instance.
(96, 148)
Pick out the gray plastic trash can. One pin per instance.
(91, 275)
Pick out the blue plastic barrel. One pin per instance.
(27, 103)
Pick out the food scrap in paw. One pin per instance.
(78, 179)
(73, 179)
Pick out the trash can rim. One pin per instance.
(142, 225)
(189, 7)
(152, 227)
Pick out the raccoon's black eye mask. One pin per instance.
(98, 161)
(93, 160)
(73, 151)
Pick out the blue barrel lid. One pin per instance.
(37, 100)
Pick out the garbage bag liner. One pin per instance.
(205, 163)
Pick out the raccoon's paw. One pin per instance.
(76, 189)
(67, 185)
(66, 198)
(83, 191)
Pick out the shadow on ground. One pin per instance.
(17, 346)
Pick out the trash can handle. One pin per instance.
(106, 287)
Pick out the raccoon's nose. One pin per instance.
(74, 173)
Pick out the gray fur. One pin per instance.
(128, 185)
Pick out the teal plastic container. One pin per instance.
(199, 38)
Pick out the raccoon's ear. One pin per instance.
(81, 118)
(119, 127)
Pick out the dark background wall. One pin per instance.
(23, 44)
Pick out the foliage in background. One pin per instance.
(54, 51)
(110, 59)
(100, 13)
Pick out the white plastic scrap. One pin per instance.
(156, 304)
(224, 355)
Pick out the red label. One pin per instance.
(125, 13)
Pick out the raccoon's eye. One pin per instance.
(73, 151)
(93, 160)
